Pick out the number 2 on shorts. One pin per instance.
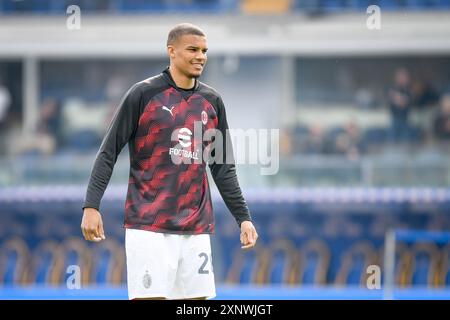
(202, 270)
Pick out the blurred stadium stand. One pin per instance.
(213, 6)
(307, 238)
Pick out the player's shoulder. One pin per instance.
(209, 93)
(149, 86)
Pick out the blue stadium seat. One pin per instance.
(281, 258)
(35, 6)
(206, 6)
(334, 5)
(360, 5)
(226, 239)
(403, 266)
(444, 4)
(434, 4)
(444, 270)
(401, 262)
(47, 259)
(424, 267)
(354, 263)
(14, 262)
(390, 4)
(76, 253)
(142, 5)
(375, 136)
(108, 262)
(9, 6)
(248, 267)
(416, 4)
(311, 264)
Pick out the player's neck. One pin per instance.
(180, 79)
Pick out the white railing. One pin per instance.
(305, 171)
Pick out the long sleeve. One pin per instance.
(120, 130)
(224, 174)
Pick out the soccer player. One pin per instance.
(168, 211)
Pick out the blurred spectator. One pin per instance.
(442, 119)
(315, 141)
(47, 136)
(424, 94)
(349, 142)
(286, 142)
(364, 98)
(115, 90)
(5, 102)
(50, 120)
(400, 103)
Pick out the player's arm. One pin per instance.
(119, 132)
(225, 177)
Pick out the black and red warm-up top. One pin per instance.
(165, 196)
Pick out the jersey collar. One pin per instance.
(168, 77)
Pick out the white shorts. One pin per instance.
(166, 265)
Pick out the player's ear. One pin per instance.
(171, 51)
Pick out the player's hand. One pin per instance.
(92, 225)
(248, 235)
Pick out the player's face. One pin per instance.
(188, 55)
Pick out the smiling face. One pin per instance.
(188, 55)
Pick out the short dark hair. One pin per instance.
(183, 29)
